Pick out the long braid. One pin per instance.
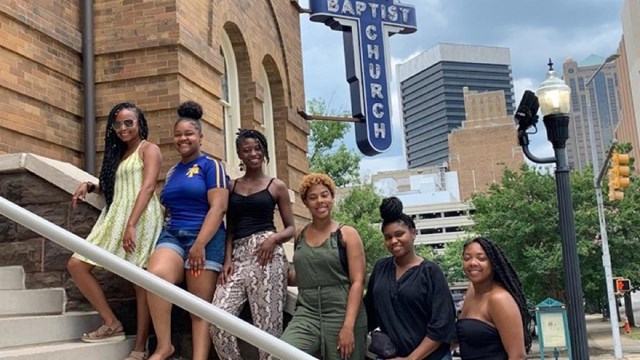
(505, 274)
(114, 149)
(256, 135)
(391, 211)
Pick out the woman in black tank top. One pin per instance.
(255, 265)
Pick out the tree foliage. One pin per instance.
(360, 209)
(327, 152)
(521, 216)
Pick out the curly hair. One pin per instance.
(313, 179)
(505, 274)
(253, 134)
(114, 148)
(391, 211)
(190, 111)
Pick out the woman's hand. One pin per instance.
(264, 251)
(346, 342)
(196, 257)
(225, 274)
(80, 194)
(129, 239)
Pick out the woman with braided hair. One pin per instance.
(491, 325)
(129, 223)
(255, 265)
(408, 297)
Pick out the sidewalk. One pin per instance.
(600, 340)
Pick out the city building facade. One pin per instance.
(485, 144)
(431, 94)
(240, 59)
(604, 109)
(628, 130)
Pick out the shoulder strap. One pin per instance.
(270, 181)
(234, 184)
(296, 242)
(342, 249)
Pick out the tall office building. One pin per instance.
(605, 108)
(431, 94)
(628, 130)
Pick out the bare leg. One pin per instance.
(202, 287)
(168, 265)
(143, 319)
(89, 287)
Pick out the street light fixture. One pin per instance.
(554, 98)
(606, 257)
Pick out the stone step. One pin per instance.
(11, 278)
(71, 350)
(30, 330)
(32, 302)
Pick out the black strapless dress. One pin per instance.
(479, 341)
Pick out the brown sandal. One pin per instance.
(105, 333)
(137, 355)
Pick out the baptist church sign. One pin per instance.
(366, 26)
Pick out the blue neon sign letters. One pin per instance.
(366, 26)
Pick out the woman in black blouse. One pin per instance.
(408, 297)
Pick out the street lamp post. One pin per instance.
(606, 257)
(553, 98)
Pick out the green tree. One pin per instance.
(327, 152)
(451, 261)
(359, 208)
(521, 216)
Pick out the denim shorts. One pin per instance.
(181, 241)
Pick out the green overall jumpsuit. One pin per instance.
(323, 286)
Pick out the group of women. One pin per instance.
(407, 297)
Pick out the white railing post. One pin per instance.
(158, 286)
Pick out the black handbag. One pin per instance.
(381, 345)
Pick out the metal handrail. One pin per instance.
(153, 283)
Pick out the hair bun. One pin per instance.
(190, 109)
(391, 209)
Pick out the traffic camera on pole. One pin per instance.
(618, 175)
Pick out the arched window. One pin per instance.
(268, 125)
(230, 101)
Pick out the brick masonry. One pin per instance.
(155, 54)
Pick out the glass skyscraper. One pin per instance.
(431, 94)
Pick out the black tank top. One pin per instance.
(252, 213)
(479, 341)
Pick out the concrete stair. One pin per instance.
(34, 326)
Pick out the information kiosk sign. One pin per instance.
(553, 330)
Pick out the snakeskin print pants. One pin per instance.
(264, 287)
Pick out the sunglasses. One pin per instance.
(127, 123)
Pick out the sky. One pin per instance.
(534, 31)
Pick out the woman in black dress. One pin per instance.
(408, 297)
(492, 322)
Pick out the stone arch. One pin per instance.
(246, 84)
(279, 105)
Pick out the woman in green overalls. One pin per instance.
(329, 271)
